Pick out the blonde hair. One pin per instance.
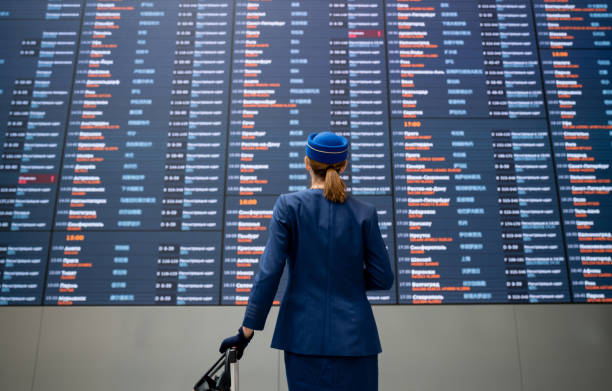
(334, 188)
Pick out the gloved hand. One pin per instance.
(238, 341)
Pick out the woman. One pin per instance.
(335, 253)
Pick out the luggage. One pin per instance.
(226, 380)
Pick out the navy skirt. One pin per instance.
(331, 373)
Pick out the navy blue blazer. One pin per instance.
(334, 252)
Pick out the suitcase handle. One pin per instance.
(232, 363)
(226, 381)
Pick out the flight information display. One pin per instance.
(144, 143)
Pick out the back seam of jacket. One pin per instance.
(330, 227)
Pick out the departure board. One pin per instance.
(144, 144)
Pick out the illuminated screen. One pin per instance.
(145, 142)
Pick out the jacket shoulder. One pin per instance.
(298, 199)
(292, 200)
(358, 203)
(361, 208)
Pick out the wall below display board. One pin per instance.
(494, 347)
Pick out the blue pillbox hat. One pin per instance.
(327, 147)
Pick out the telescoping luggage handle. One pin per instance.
(226, 381)
(232, 359)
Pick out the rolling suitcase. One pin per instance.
(215, 380)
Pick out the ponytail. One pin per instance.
(334, 188)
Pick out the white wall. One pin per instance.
(466, 347)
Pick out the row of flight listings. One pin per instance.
(487, 158)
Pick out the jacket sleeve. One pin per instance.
(271, 267)
(378, 272)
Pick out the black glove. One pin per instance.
(238, 341)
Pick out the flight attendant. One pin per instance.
(331, 243)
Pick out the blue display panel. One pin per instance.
(39, 42)
(144, 144)
(575, 47)
(134, 268)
